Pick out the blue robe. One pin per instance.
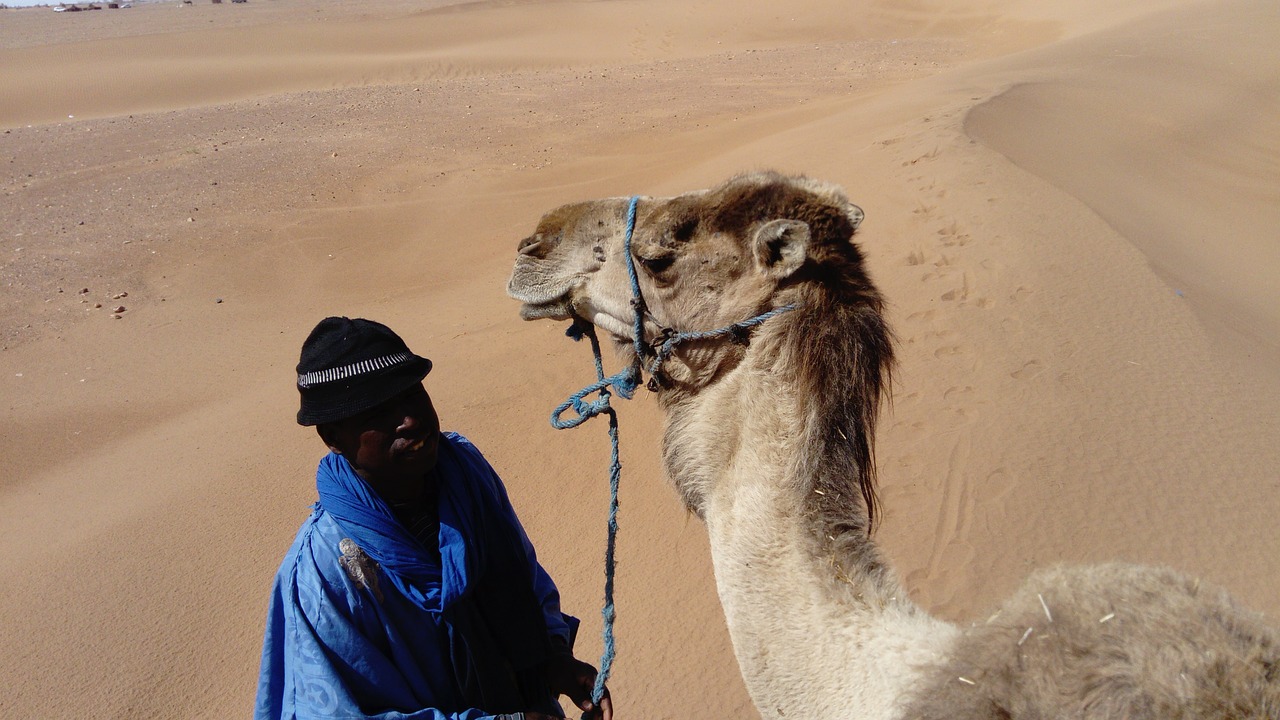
(403, 636)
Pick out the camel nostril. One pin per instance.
(529, 245)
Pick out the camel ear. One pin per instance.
(781, 246)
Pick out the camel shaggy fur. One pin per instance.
(771, 443)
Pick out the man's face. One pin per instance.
(391, 444)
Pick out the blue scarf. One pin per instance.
(482, 590)
(367, 519)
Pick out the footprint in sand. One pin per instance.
(998, 485)
(927, 156)
(1029, 369)
(910, 431)
(952, 235)
(961, 293)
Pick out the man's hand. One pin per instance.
(569, 676)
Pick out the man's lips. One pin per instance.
(410, 447)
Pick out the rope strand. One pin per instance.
(585, 411)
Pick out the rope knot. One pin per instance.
(627, 382)
(659, 342)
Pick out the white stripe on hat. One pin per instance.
(318, 377)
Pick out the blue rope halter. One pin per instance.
(625, 383)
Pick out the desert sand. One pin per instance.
(1071, 207)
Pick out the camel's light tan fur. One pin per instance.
(771, 444)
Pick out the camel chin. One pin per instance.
(620, 331)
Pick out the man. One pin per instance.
(412, 591)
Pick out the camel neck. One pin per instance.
(764, 492)
(802, 583)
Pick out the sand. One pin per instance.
(1071, 208)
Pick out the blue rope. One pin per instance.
(625, 383)
(737, 330)
(586, 411)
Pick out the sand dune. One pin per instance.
(1170, 160)
(154, 70)
(1069, 207)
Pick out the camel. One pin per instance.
(770, 441)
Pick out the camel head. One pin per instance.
(711, 258)
(704, 260)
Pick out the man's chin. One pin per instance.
(422, 463)
(412, 467)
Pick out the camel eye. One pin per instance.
(684, 231)
(656, 265)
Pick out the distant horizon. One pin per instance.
(55, 3)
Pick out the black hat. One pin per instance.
(350, 365)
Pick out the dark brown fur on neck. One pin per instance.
(837, 338)
(836, 344)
